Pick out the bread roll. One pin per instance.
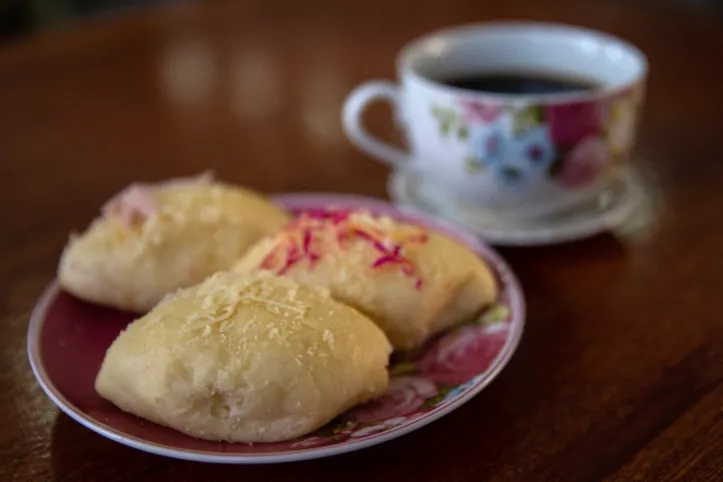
(154, 239)
(246, 359)
(413, 283)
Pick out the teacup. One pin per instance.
(523, 153)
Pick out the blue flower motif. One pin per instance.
(456, 391)
(532, 148)
(488, 142)
(514, 159)
(453, 393)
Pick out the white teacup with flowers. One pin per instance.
(518, 154)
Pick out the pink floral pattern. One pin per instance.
(381, 427)
(311, 442)
(569, 143)
(443, 371)
(480, 112)
(406, 394)
(469, 352)
(583, 163)
(570, 123)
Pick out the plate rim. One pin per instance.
(517, 301)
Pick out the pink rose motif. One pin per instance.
(404, 396)
(310, 442)
(583, 163)
(571, 122)
(316, 441)
(386, 424)
(479, 112)
(463, 355)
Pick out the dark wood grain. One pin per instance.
(620, 373)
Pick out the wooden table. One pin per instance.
(619, 374)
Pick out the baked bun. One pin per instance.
(412, 282)
(154, 239)
(245, 359)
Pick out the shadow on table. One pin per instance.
(80, 454)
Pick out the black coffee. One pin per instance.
(520, 83)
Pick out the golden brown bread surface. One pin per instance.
(155, 239)
(246, 359)
(413, 283)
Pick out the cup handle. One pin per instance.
(353, 110)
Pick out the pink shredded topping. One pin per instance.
(137, 202)
(304, 236)
(132, 205)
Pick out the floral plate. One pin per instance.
(67, 340)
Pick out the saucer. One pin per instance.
(411, 191)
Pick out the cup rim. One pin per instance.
(406, 70)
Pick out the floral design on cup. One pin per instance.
(621, 128)
(405, 395)
(571, 144)
(514, 156)
(481, 112)
(460, 357)
(488, 142)
(583, 163)
(570, 123)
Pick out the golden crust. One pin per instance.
(196, 229)
(442, 283)
(246, 359)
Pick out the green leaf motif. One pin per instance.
(462, 132)
(446, 117)
(445, 389)
(510, 173)
(442, 113)
(527, 118)
(493, 315)
(472, 165)
(344, 426)
(432, 402)
(404, 368)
